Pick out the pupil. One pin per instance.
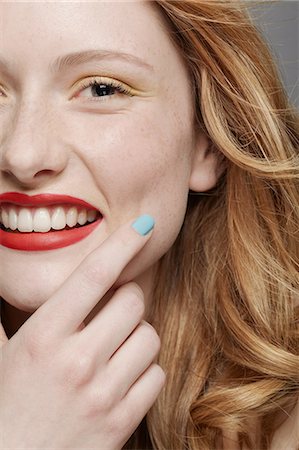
(102, 89)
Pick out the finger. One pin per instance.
(141, 397)
(114, 323)
(132, 359)
(3, 336)
(75, 299)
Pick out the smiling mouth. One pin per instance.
(17, 219)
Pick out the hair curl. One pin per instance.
(225, 293)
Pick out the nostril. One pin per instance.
(43, 172)
(7, 172)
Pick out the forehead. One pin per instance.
(49, 29)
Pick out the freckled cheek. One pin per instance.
(116, 145)
(135, 161)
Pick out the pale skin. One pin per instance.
(126, 155)
(93, 389)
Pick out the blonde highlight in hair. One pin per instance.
(225, 295)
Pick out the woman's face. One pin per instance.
(126, 154)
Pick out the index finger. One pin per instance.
(83, 289)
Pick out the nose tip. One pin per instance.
(31, 149)
(30, 169)
(31, 161)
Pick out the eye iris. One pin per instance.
(101, 90)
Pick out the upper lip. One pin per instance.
(21, 199)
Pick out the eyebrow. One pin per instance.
(77, 58)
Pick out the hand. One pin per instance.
(66, 386)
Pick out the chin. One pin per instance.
(28, 299)
(28, 280)
(32, 285)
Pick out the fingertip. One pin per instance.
(163, 376)
(144, 224)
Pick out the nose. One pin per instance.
(30, 152)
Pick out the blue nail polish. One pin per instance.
(144, 224)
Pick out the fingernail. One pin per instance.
(144, 224)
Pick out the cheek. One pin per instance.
(134, 158)
(144, 167)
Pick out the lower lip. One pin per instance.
(52, 240)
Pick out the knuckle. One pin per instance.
(100, 400)
(36, 343)
(77, 369)
(150, 336)
(133, 299)
(98, 273)
(135, 288)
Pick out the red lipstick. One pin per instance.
(42, 200)
(38, 241)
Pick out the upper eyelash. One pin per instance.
(106, 82)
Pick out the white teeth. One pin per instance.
(58, 218)
(5, 220)
(13, 219)
(25, 222)
(82, 217)
(44, 218)
(72, 216)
